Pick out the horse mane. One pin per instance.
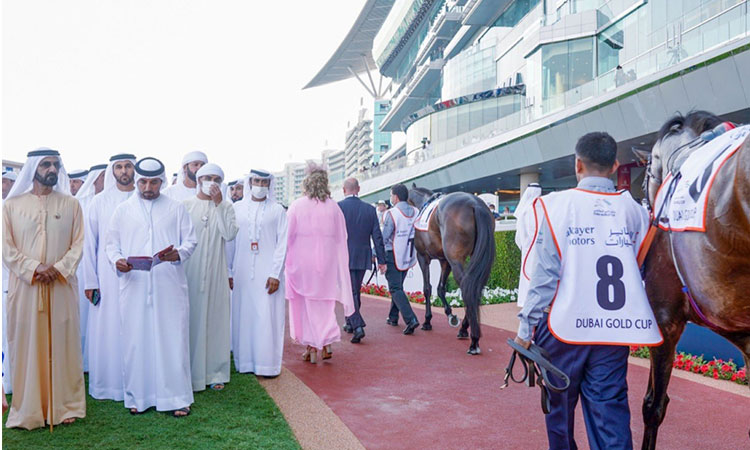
(697, 120)
(421, 190)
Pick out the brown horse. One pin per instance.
(462, 227)
(715, 265)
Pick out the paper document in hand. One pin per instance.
(144, 262)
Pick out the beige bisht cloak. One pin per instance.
(43, 229)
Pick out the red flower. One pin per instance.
(716, 375)
(688, 364)
(704, 368)
(725, 368)
(734, 377)
(680, 364)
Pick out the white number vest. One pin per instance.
(600, 298)
(405, 256)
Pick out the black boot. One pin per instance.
(359, 333)
(411, 326)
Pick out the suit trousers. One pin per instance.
(399, 301)
(355, 320)
(598, 376)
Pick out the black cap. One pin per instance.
(122, 156)
(43, 152)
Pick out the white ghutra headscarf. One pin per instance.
(187, 159)
(109, 175)
(25, 180)
(264, 175)
(88, 190)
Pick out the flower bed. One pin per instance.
(717, 369)
(489, 296)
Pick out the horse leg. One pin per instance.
(458, 275)
(656, 399)
(445, 271)
(424, 266)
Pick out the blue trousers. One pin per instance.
(598, 376)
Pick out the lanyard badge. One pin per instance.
(254, 247)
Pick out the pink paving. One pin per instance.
(396, 391)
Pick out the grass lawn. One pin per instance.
(240, 416)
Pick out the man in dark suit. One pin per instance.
(361, 225)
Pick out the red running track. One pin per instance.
(396, 391)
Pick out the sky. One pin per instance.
(93, 78)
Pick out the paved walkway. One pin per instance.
(395, 391)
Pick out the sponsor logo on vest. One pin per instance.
(614, 323)
(580, 236)
(621, 238)
(603, 207)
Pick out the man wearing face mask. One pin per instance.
(101, 283)
(258, 305)
(154, 305)
(215, 225)
(42, 245)
(186, 185)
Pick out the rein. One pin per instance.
(536, 370)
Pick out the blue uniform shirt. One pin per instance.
(389, 227)
(546, 274)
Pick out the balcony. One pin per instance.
(415, 95)
(483, 12)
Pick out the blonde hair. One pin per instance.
(315, 184)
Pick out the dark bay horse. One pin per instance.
(461, 228)
(715, 265)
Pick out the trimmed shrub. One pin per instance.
(507, 266)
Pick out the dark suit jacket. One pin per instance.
(361, 225)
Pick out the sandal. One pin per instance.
(217, 386)
(135, 412)
(185, 410)
(310, 355)
(327, 352)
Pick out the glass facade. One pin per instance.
(469, 72)
(629, 40)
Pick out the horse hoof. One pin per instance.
(474, 351)
(463, 334)
(426, 326)
(453, 321)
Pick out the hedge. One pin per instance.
(507, 266)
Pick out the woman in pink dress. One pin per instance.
(317, 267)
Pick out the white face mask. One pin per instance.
(259, 191)
(206, 186)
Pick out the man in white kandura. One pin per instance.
(92, 186)
(215, 224)
(257, 257)
(9, 178)
(185, 187)
(101, 282)
(154, 305)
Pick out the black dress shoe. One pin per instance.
(348, 328)
(411, 326)
(359, 333)
(393, 323)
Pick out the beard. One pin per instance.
(124, 180)
(190, 174)
(149, 195)
(48, 180)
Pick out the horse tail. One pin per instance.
(480, 263)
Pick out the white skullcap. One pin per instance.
(210, 169)
(194, 156)
(10, 175)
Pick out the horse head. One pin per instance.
(418, 196)
(668, 152)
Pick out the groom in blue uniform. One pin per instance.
(597, 372)
(362, 225)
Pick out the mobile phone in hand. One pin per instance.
(95, 297)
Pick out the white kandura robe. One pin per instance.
(7, 377)
(105, 339)
(180, 192)
(83, 302)
(258, 319)
(208, 285)
(154, 305)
